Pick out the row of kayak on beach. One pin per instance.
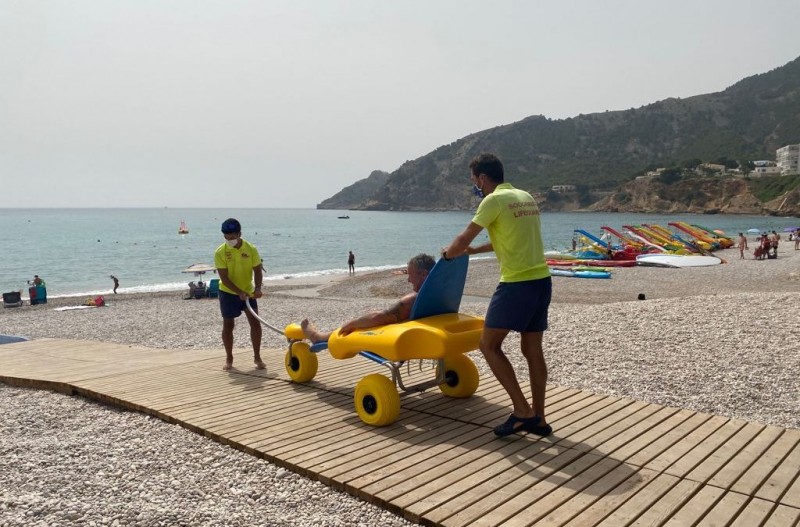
(647, 244)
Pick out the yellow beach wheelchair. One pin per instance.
(435, 331)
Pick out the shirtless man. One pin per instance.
(418, 269)
(742, 245)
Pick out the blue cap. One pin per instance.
(231, 225)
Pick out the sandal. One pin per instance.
(539, 430)
(516, 424)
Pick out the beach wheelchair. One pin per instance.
(435, 331)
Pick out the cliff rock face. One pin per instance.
(747, 121)
(731, 196)
(357, 194)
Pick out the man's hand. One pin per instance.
(258, 293)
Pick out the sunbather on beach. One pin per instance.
(418, 269)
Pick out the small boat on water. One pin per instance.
(183, 229)
(343, 217)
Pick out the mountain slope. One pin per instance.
(747, 121)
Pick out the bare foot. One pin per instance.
(260, 364)
(228, 365)
(309, 331)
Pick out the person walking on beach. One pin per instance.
(116, 283)
(238, 264)
(797, 240)
(418, 269)
(351, 263)
(521, 300)
(742, 245)
(774, 238)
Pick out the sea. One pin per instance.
(76, 250)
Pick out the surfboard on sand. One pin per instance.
(676, 260)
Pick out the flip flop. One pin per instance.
(516, 424)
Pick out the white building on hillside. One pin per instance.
(789, 159)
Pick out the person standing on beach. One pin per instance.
(238, 263)
(742, 245)
(351, 263)
(521, 300)
(116, 283)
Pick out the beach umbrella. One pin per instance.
(198, 269)
(753, 231)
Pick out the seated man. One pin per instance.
(418, 269)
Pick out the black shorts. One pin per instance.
(231, 306)
(520, 306)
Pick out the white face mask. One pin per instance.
(232, 243)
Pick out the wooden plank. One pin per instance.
(658, 446)
(724, 453)
(784, 468)
(450, 443)
(700, 451)
(652, 492)
(740, 463)
(513, 479)
(535, 491)
(783, 516)
(726, 509)
(659, 431)
(792, 495)
(569, 500)
(689, 443)
(613, 499)
(754, 513)
(442, 483)
(660, 511)
(696, 507)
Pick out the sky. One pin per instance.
(233, 103)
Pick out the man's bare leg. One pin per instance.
(531, 344)
(255, 338)
(227, 341)
(312, 333)
(491, 347)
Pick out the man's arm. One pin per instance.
(258, 275)
(460, 245)
(225, 279)
(398, 312)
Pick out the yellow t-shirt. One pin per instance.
(512, 219)
(239, 263)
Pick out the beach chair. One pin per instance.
(436, 331)
(12, 299)
(213, 288)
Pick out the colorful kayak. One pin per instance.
(580, 274)
(594, 263)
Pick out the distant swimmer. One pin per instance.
(116, 283)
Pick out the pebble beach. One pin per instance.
(723, 340)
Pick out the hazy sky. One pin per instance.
(232, 103)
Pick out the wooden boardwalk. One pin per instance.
(610, 462)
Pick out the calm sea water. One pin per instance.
(75, 250)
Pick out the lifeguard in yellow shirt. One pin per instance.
(238, 263)
(522, 298)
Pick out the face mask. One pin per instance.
(232, 243)
(477, 191)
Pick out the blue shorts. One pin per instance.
(231, 306)
(520, 306)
